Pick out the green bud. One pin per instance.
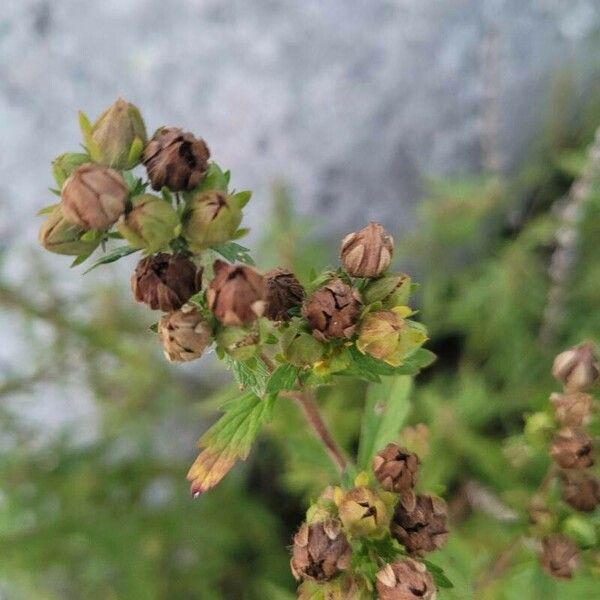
(364, 513)
(64, 165)
(581, 529)
(61, 237)
(300, 347)
(239, 342)
(150, 224)
(538, 428)
(118, 137)
(210, 218)
(391, 290)
(388, 336)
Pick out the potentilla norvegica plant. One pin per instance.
(366, 536)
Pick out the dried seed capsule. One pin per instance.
(175, 159)
(368, 252)
(284, 292)
(577, 368)
(210, 218)
(184, 334)
(332, 311)
(405, 579)
(572, 448)
(363, 512)
(396, 468)
(580, 490)
(559, 556)
(574, 409)
(93, 197)
(62, 237)
(165, 281)
(237, 294)
(419, 523)
(320, 551)
(150, 224)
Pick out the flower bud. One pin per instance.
(574, 409)
(210, 218)
(332, 311)
(405, 579)
(94, 197)
(61, 237)
(580, 490)
(300, 348)
(368, 252)
(387, 336)
(165, 281)
(396, 468)
(175, 159)
(284, 292)
(559, 556)
(64, 165)
(572, 449)
(150, 224)
(184, 334)
(363, 513)
(577, 368)
(237, 294)
(239, 342)
(391, 290)
(419, 523)
(320, 551)
(118, 137)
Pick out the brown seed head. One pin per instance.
(396, 468)
(580, 490)
(184, 334)
(405, 579)
(237, 294)
(577, 368)
(93, 197)
(419, 523)
(368, 252)
(332, 311)
(284, 292)
(175, 159)
(572, 409)
(320, 551)
(165, 281)
(572, 448)
(559, 556)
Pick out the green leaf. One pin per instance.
(233, 252)
(439, 577)
(154, 327)
(113, 256)
(283, 378)
(252, 374)
(214, 179)
(240, 233)
(229, 440)
(242, 198)
(386, 409)
(47, 210)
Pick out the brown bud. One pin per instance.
(572, 409)
(577, 368)
(320, 551)
(572, 448)
(184, 334)
(580, 490)
(419, 523)
(175, 159)
(396, 468)
(94, 197)
(332, 311)
(368, 252)
(284, 292)
(405, 579)
(237, 294)
(165, 281)
(559, 556)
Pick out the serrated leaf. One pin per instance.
(386, 409)
(439, 577)
(113, 256)
(229, 440)
(251, 374)
(283, 378)
(233, 252)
